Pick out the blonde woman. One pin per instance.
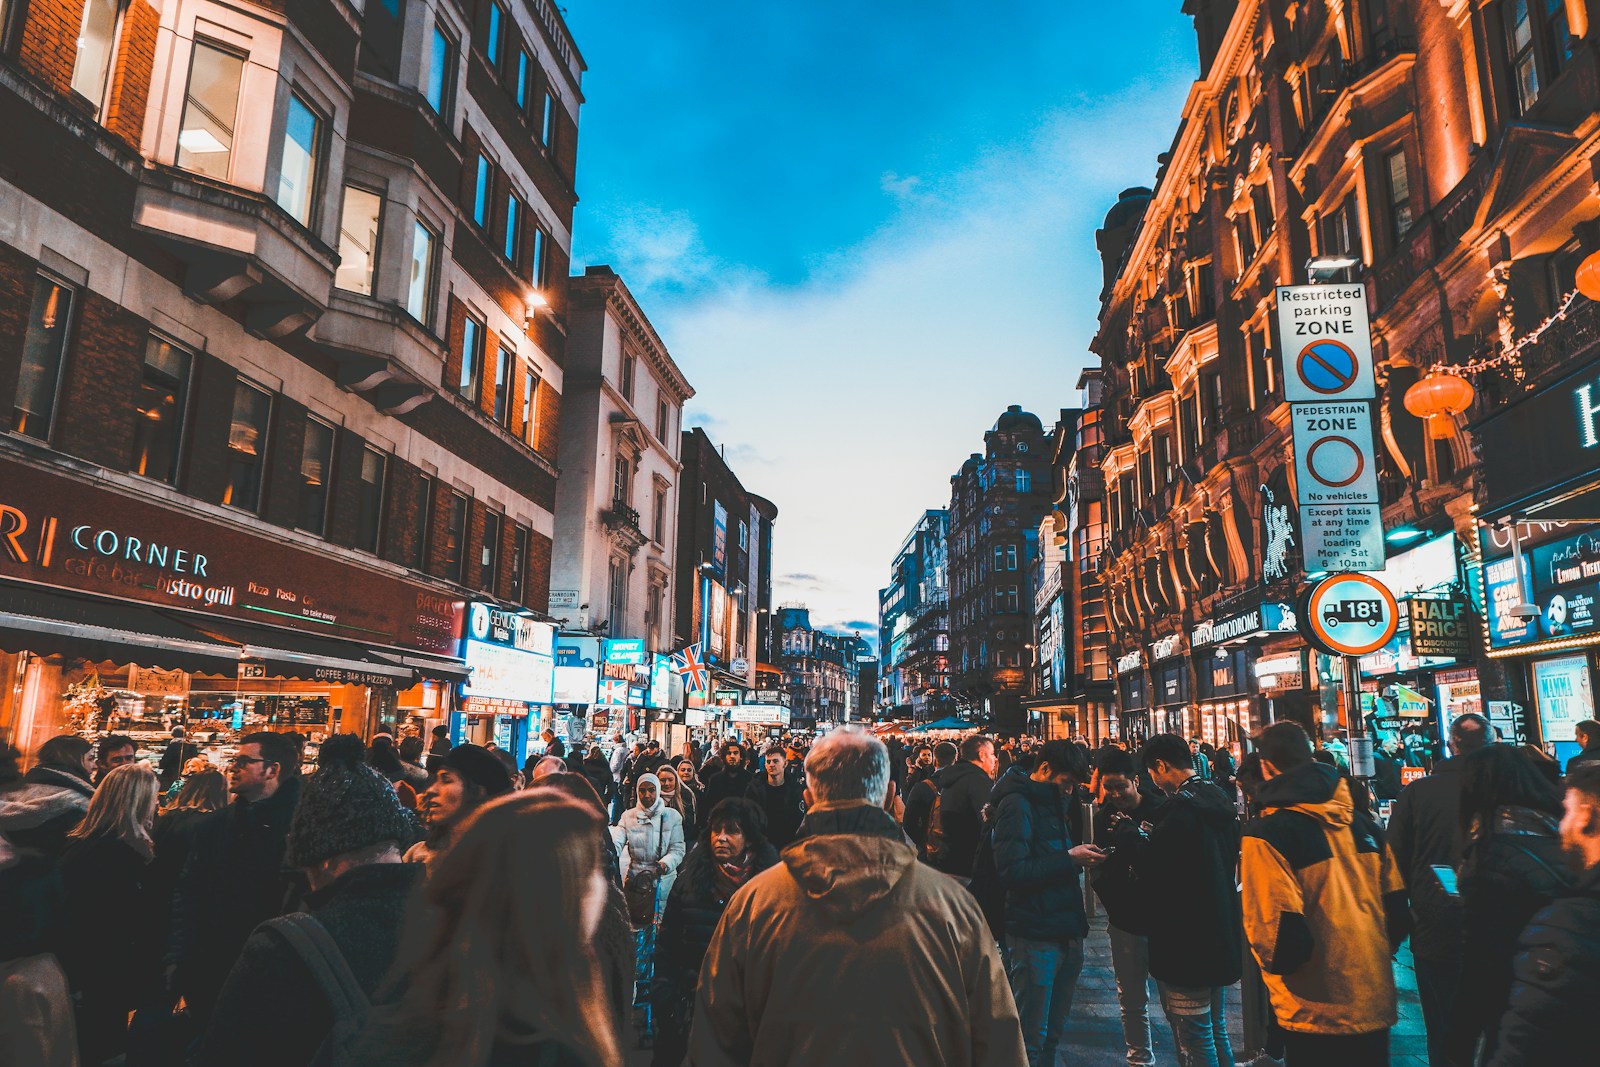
(104, 873)
(498, 965)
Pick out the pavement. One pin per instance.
(1094, 1031)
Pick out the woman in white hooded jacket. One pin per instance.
(650, 836)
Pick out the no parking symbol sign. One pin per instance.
(1327, 378)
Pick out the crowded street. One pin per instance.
(622, 534)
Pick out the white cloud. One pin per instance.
(849, 400)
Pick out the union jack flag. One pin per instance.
(691, 664)
(612, 693)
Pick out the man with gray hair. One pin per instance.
(850, 951)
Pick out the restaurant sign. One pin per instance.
(69, 534)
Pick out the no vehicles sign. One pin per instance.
(1326, 342)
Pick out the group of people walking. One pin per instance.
(811, 905)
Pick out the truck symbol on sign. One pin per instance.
(1367, 611)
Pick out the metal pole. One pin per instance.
(1361, 765)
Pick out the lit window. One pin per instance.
(210, 108)
(43, 351)
(1024, 481)
(247, 445)
(316, 467)
(1394, 166)
(159, 407)
(97, 43)
(359, 225)
(424, 259)
(497, 33)
(302, 139)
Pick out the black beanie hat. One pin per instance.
(345, 805)
(480, 767)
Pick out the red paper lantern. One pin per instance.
(1437, 398)
(1589, 276)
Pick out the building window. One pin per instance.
(424, 271)
(1024, 481)
(455, 537)
(663, 419)
(97, 43)
(513, 242)
(537, 261)
(627, 377)
(530, 406)
(744, 534)
(658, 517)
(162, 400)
(210, 109)
(316, 467)
(369, 513)
(1244, 241)
(999, 557)
(1394, 167)
(519, 564)
(622, 480)
(524, 78)
(481, 186)
(1011, 557)
(360, 222)
(297, 178)
(43, 352)
(471, 380)
(425, 490)
(495, 39)
(440, 87)
(1210, 402)
(619, 596)
(505, 362)
(1341, 230)
(1539, 46)
(247, 445)
(489, 557)
(547, 121)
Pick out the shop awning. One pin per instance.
(309, 657)
(430, 667)
(33, 619)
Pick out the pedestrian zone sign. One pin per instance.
(1336, 481)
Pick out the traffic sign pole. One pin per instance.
(1361, 763)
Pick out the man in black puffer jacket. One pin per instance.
(1037, 863)
(956, 824)
(1187, 866)
(732, 849)
(1557, 967)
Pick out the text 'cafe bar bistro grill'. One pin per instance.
(117, 614)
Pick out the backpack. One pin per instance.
(933, 842)
(316, 948)
(986, 887)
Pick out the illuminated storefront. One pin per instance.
(119, 614)
(512, 657)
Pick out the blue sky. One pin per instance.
(864, 228)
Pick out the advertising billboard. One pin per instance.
(1563, 583)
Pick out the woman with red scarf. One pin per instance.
(732, 849)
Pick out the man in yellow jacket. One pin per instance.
(1324, 908)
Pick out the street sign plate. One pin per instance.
(1336, 482)
(1350, 614)
(1342, 537)
(1326, 342)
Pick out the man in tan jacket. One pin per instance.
(849, 950)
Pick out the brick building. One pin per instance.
(996, 501)
(1443, 154)
(288, 283)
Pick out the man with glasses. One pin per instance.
(234, 878)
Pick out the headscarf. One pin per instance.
(655, 808)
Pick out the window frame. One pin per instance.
(303, 486)
(318, 149)
(539, 257)
(374, 542)
(210, 44)
(494, 37)
(482, 192)
(441, 75)
(180, 407)
(460, 504)
(263, 450)
(67, 322)
(531, 379)
(112, 54)
(469, 384)
(521, 545)
(377, 237)
(489, 551)
(516, 217)
(1400, 216)
(430, 294)
(505, 369)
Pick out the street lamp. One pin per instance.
(1323, 268)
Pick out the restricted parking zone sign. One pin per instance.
(1349, 614)
(1326, 342)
